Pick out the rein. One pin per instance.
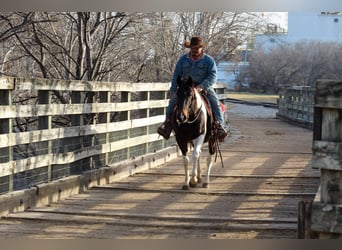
(196, 115)
(218, 150)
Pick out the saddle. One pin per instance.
(207, 104)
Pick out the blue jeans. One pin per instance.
(214, 103)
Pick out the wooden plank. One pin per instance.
(328, 94)
(331, 125)
(15, 229)
(283, 208)
(74, 131)
(327, 155)
(331, 186)
(163, 217)
(106, 227)
(74, 109)
(6, 83)
(217, 192)
(262, 186)
(36, 162)
(326, 218)
(74, 85)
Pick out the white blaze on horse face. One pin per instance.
(198, 100)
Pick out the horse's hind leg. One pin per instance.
(207, 176)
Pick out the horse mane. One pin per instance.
(186, 93)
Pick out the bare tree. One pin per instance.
(302, 63)
(72, 45)
(165, 34)
(117, 46)
(225, 32)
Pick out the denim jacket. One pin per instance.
(202, 71)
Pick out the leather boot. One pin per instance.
(165, 130)
(221, 132)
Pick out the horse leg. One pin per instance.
(196, 153)
(186, 170)
(199, 179)
(209, 165)
(199, 176)
(194, 179)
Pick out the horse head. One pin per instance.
(186, 100)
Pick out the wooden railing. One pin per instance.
(98, 124)
(296, 105)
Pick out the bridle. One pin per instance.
(196, 114)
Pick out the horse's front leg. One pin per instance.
(196, 153)
(207, 176)
(199, 176)
(186, 170)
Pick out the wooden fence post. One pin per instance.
(75, 143)
(126, 97)
(105, 118)
(304, 221)
(44, 122)
(327, 156)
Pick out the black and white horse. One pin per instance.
(193, 124)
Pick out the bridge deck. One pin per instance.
(266, 171)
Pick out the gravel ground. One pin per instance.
(251, 111)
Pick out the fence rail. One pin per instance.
(50, 129)
(296, 105)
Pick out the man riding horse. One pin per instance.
(202, 69)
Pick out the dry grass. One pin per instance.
(253, 97)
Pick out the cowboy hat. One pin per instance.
(195, 42)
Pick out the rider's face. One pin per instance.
(195, 51)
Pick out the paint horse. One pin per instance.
(192, 123)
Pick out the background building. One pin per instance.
(318, 26)
(290, 29)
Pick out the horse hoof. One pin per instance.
(205, 185)
(185, 187)
(193, 184)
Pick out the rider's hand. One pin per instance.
(199, 88)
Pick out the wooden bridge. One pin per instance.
(267, 172)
